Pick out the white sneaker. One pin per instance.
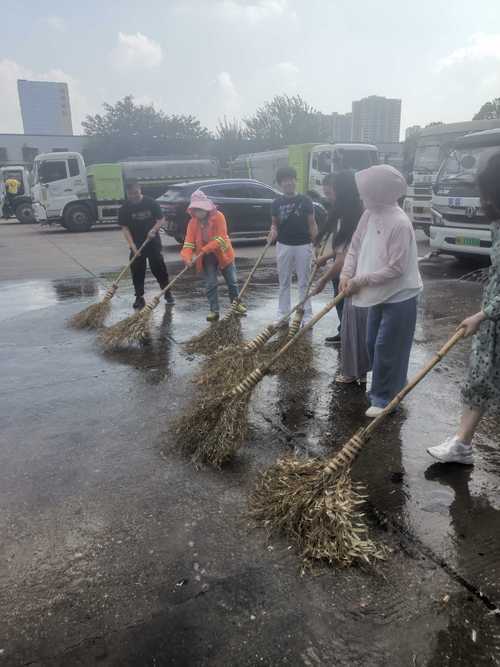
(452, 451)
(373, 412)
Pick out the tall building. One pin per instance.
(337, 126)
(376, 120)
(45, 107)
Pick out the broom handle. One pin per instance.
(258, 373)
(127, 266)
(413, 383)
(351, 449)
(254, 269)
(156, 299)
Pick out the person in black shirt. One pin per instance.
(141, 218)
(294, 228)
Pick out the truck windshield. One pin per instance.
(358, 159)
(462, 164)
(427, 158)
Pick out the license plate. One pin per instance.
(462, 240)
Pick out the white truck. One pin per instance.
(68, 193)
(18, 205)
(433, 146)
(459, 226)
(311, 161)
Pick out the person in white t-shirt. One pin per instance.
(381, 273)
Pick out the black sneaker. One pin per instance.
(139, 303)
(333, 340)
(169, 298)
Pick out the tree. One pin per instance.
(489, 110)
(230, 140)
(285, 120)
(127, 129)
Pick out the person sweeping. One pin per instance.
(208, 240)
(482, 387)
(294, 229)
(140, 219)
(381, 273)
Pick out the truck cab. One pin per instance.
(459, 226)
(60, 191)
(330, 158)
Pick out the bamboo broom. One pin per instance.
(232, 363)
(135, 329)
(314, 503)
(94, 315)
(214, 429)
(227, 330)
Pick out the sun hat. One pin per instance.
(200, 200)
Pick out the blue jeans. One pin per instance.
(210, 271)
(340, 306)
(390, 336)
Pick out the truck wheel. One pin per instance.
(24, 213)
(78, 219)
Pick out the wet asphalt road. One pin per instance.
(115, 551)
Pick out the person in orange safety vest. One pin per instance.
(208, 240)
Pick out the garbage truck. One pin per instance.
(459, 226)
(16, 205)
(311, 161)
(67, 192)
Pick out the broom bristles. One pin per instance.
(130, 331)
(222, 334)
(210, 433)
(91, 317)
(317, 509)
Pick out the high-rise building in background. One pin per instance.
(376, 120)
(413, 129)
(45, 107)
(336, 126)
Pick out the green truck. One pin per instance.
(68, 193)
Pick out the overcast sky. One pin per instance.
(212, 58)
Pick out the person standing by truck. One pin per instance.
(482, 387)
(12, 188)
(141, 218)
(294, 229)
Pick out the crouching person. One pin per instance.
(208, 240)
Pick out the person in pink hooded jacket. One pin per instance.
(381, 273)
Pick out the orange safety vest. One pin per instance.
(218, 241)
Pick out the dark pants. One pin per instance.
(152, 253)
(390, 336)
(340, 306)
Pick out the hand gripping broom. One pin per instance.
(227, 330)
(314, 503)
(135, 329)
(94, 315)
(215, 428)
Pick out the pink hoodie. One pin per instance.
(382, 257)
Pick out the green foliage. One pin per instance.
(285, 120)
(489, 110)
(127, 129)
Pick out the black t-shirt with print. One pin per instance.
(292, 214)
(140, 218)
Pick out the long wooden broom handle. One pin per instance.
(271, 329)
(254, 269)
(258, 373)
(156, 299)
(351, 449)
(414, 381)
(132, 260)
